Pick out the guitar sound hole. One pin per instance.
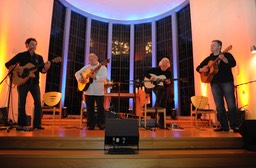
(25, 73)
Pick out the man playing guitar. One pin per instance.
(159, 78)
(95, 90)
(31, 85)
(222, 84)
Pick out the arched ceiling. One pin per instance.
(125, 10)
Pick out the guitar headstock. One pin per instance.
(56, 60)
(105, 62)
(228, 48)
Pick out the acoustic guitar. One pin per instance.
(206, 77)
(83, 86)
(159, 81)
(28, 72)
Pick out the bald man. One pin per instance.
(160, 89)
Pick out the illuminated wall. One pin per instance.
(21, 19)
(233, 22)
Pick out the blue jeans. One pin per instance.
(221, 91)
(22, 96)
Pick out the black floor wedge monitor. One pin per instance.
(121, 136)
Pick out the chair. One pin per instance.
(52, 103)
(200, 105)
(142, 110)
(82, 109)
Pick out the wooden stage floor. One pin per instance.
(70, 146)
(188, 138)
(70, 128)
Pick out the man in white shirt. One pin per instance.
(95, 91)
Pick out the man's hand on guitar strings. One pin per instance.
(167, 81)
(204, 69)
(20, 70)
(93, 75)
(81, 80)
(152, 78)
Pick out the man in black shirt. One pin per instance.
(222, 85)
(21, 61)
(160, 78)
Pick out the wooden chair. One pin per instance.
(200, 105)
(142, 109)
(82, 110)
(52, 103)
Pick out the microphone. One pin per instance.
(31, 48)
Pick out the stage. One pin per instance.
(70, 146)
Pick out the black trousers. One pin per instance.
(161, 96)
(91, 119)
(22, 97)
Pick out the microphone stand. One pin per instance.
(236, 95)
(235, 86)
(156, 90)
(10, 90)
(119, 83)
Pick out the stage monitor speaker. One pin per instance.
(248, 132)
(121, 133)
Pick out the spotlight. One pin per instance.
(253, 49)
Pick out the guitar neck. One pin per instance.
(226, 50)
(35, 67)
(56, 60)
(96, 69)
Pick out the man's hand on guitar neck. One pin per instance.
(47, 66)
(223, 58)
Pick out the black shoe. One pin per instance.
(90, 128)
(20, 128)
(101, 127)
(235, 130)
(24, 128)
(39, 127)
(161, 126)
(221, 130)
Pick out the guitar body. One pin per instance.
(83, 86)
(151, 84)
(213, 68)
(87, 81)
(21, 79)
(207, 77)
(28, 72)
